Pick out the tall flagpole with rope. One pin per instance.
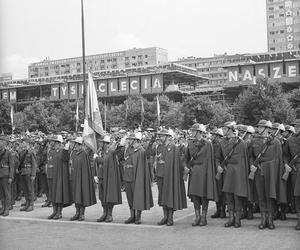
(83, 58)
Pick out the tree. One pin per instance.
(5, 122)
(294, 100)
(203, 110)
(264, 101)
(38, 118)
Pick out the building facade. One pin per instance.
(212, 67)
(283, 25)
(100, 62)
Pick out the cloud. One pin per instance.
(17, 65)
(124, 41)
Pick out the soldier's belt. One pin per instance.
(128, 166)
(27, 166)
(50, 166)
(4, 166)
(161, 162)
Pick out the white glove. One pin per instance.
(96, 179)
(220, 169)
(287, 168)
(253, 168)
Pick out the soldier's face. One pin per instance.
(260, 130)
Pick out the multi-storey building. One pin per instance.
(283, 25)
(108, 61)
(212, 67)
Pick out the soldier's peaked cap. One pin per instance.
(264, 123)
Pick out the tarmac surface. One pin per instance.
(32, 230)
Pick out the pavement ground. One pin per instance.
(32, 230)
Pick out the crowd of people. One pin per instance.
(243, 169)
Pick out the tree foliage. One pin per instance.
(264, 101)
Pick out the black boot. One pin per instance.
(76, 215)
(46, 204)
(2, 208)
(230, 221)
(270, 221)
(170, 221)
(58, 214)
(197, 219)
(164, 220)
(222, 212)
(81, 213)
(23, 208)
(131, 219)
(298, 222)
(6, 209)
(30, 207)
(50, 217)
(282, 215)
(109, 217)
(263, 222)
(138, 217)
(103, 217)
(203, 221)
(237, 219)
(217, 214)
(250, 211)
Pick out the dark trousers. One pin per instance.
(198, 201)
(266, 204)
(297, 203)
(5, 190)
(129, 187)
(43, 184)
(234, 202)
(160, 183)
(28, 187)
(18, 185)
(107, 204)
(50, 190)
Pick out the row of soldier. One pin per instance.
(235, 166)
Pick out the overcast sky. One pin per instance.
(31, 30)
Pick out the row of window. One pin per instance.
(280, 48)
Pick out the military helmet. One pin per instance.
(250, 130)
(78, 140)
(165, 131)
(199, 127)
(290, 129)
(279, 126)
(135, 136)
(231, 125)
(218, 131)
(264, 123)
(105, 138)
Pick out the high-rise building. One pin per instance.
(283, 25)
(212, 67)
(108, 61)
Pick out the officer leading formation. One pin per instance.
(242, 169)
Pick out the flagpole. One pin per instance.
(83, 57)
(105, 110)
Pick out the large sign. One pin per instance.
(287, 71)
(124, 86)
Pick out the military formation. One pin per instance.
(242, 169)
